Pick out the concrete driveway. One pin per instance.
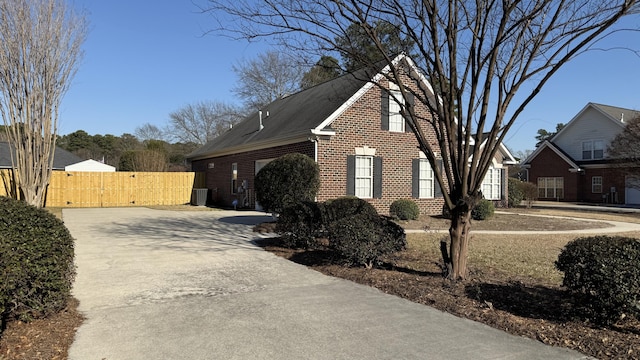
(191, 285)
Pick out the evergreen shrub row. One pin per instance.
(36, 262)
(354, 229)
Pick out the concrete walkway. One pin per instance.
(191, 285)
(615, 227)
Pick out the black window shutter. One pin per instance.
(410, 104)
(377, 177)
(384, 111)
(415, 178)
(503, 185)
(351, 175)
(437, 192)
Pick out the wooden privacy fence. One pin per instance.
(111, 189)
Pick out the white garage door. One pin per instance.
(632, 190)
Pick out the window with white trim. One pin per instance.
(551, 187)
(596, 184)
(426, 180)
(592, 150)
(396, 121)
(364, 177)
(234, 178)
(492, 184)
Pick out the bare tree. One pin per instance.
(269, 77)
(40, 47)
(481, 53)
(625, 150)
(202, 121)
(148, 131)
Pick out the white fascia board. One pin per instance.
(548, 144)
(347, 104)
(323, 132)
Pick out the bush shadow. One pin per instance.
(534, 302)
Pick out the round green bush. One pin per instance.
(36, 261)
(299, 225)
(603, 273)
(404, 209)
(347, 206)
(286, 181)
(362, 240)
(515, 192)
(484, 210)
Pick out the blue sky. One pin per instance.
(144, 60)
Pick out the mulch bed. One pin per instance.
(519, 306)
(42, 339)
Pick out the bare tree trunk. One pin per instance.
(41, 45)
(455, 259)
(459, 234)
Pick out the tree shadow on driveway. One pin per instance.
(185, 232)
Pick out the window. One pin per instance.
(596, 184)
(364, 177)
(598, 149)
(592, 150)
(426, 180)
(491, 184)
(396, 121)
(234, 178)
(551, 187)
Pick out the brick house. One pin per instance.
(352, 129)
(573, 165)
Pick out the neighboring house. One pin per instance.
(91, 166)
(61, 159)
(352, 129)
(573, 165)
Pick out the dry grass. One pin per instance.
(520, 256)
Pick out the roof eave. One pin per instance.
(300, 137)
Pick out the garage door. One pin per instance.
(632, 190)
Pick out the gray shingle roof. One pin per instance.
(617, 112)
(289, 117)
(61, 158)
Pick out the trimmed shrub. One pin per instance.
(299, 225)
(347, 206)
(515, 192)
(483, 210)
(362, 240)
(603, 272)
(286, 181)
(404, 209)
(36, 262)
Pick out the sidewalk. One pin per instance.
(192, 285)
(615, 208)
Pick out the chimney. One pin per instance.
(622, 117)
(260, 117)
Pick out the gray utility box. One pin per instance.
(199, 197)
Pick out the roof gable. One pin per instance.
(547, 144)
(609, 114)
(301, 115)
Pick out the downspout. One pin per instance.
(314, 140)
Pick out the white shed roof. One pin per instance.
(90, 165)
